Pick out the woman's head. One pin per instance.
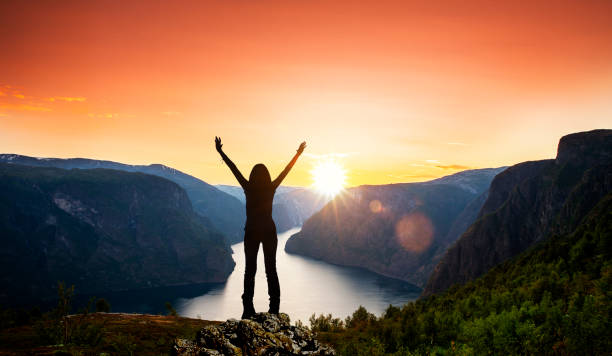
(260, 177)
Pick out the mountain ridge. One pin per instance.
(224, 211)
(526, 203)
(101, 230)
(398, 230)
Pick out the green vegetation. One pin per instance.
(102, 306)
(551, 299)
(30, 332)
(170, 309)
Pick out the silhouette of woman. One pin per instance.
(259, 228)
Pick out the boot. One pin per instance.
(274, 306)
(248, 310)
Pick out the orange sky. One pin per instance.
(401, 91)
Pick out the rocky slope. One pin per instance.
(528, 202)
(101, 230)
(263, 334)
(399, 230)
(224, 211)
(297, 205)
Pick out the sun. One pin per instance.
(329, 177)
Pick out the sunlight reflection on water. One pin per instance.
(307, 286)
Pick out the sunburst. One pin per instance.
(329, 177)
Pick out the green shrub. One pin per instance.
(552, 299)
(102, 306)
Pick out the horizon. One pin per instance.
(395, 92)
(236, 185)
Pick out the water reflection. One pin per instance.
(307, 286)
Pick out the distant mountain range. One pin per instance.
(224, 211)
(222, 204)
(292, 205)
(399, 230)
(529, 202)
(107, 226)
(101, 230)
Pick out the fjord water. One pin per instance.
(307, 286)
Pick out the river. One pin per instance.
(307, 286)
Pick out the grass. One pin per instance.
(121, 334)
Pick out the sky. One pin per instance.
(395, 91)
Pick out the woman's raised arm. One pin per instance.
(284, 173)
(243, 182)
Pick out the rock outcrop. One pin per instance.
(528, 202)
(263, 334)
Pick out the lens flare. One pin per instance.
(376, 206)
(414, 232)
(329, 177)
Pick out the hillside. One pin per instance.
(526, 203)
(398, 230)
(99, 333)
(552, 299)
(224, 211)
(101, 230)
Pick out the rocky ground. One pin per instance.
(263, 334)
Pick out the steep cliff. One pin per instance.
(399, 230)
(101, 230)
(528, 202)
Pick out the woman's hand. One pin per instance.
(218, 143)
(301, 148)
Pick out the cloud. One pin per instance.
(172, 113)
(328, 155)
(109, 115)
(69, 99)
(420, 176)
(453, 167)
(24, 107)
(34, 108)
(457, 144)
(432, 161)
(10, 94)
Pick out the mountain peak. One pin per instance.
(585, 148)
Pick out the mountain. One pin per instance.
(398, 230)
(225, 212)
(551, 299)
(232, 190)
(101, 230)
(238, 193)
(297, 206)
(528, 202)
(292, 205)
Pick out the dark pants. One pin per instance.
(252, 239)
